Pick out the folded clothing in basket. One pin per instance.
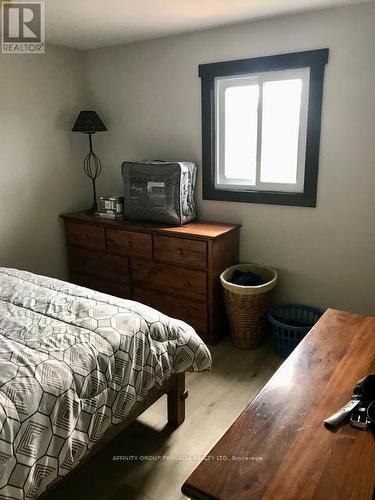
(247, 278)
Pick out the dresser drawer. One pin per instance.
(101, 285)
(193, 313)
(171, 279)
(85, 235)
(180, 250)
(129, 243)
(105, 265)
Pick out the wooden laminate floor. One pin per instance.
(215, 401)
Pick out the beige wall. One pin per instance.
(40, 160)
(149, 93)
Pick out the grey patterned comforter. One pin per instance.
(72, 363)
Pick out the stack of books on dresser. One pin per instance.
(111, 207)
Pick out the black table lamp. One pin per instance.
(88, 122)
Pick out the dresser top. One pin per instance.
(201, 229)
(282, 448)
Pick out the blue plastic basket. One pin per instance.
(290, 323)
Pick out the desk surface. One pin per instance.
(279, 445)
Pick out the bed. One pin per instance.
(75, 366)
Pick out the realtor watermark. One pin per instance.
(23, 28)
(184, 458)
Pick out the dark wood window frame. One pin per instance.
(313, 59)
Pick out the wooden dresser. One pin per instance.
(173, 269)
(278, 448)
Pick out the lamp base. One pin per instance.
(92, 210)
(92, 167)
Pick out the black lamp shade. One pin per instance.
(88, 122)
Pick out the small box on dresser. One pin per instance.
(173, 269)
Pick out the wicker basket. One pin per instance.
(247, 306)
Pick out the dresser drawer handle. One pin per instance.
(179, 251)
(84, 236)
(128, 243)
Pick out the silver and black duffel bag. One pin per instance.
(159, 191)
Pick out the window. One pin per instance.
(261, 128)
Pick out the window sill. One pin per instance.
(271, 198)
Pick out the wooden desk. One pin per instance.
(286, 451)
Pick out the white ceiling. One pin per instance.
(89, 24)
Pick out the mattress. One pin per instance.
(74, 362)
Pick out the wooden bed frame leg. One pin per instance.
(176, 401)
